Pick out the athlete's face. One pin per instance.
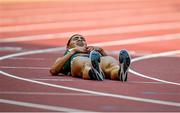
(76, 41)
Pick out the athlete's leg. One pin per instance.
(87, 67)
(80, 67)
(116, 69)
(110, 67)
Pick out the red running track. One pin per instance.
(33, 35)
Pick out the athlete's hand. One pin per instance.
(80, 49)
(99, 49)
(91, 48)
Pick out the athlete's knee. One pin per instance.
(114, 74)
(85, 71)
(108, 58)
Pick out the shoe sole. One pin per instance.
(95, 60)
(124, 58)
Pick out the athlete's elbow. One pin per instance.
(53, 72)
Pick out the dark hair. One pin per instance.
(71, 38)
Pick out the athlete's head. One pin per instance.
(76, 40)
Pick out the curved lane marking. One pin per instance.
(78, 89)
(96, 92)
(41, 106)
(154, 56)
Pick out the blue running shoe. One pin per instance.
(95, 73)
(125, 61)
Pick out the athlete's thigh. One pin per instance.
(107, 61)
(78, 64)
(108, 65)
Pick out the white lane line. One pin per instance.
(169, 53)
(81, 90)
(43, 93)
(89, 23)
(32, 52)
(10, 48)
(161, 93)
(139, 40)
(142, 82)
(36, 68)
(94, 32)
(121, 42)
(46, 79)
(23, 58)
(40, 106)
(154, 56)
(96, 92)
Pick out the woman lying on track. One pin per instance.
(89, 62)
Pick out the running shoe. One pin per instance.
(125, 61)
(95, 73)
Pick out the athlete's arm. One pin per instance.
(58, 65)
(99, 49)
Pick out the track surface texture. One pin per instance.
(33, 34)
